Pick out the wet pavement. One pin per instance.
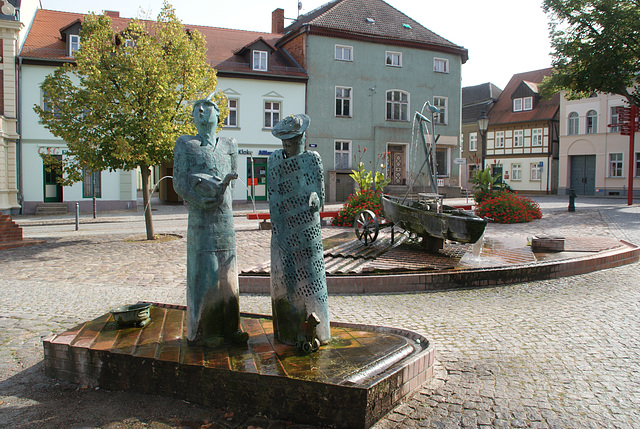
(555, 353)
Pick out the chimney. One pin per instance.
(277, 21)
(112, 13)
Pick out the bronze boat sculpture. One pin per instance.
(426, 217)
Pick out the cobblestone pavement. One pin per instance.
(557, 353)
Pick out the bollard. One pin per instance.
(572, 198)
(77, 216)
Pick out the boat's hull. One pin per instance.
(425, 221)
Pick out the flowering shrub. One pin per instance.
(361, 200)
(507, 207)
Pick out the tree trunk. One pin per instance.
(146, 173)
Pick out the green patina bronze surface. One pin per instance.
(203, 168)
(298, 279)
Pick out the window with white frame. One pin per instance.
(342, 155)
(271, 113)
(442, 117)
(518, 138)
(260, 60)
(615, 119)
(48, 105)
(74, 43)
(232, 118)
(130, 43)
(516, 171)
(343, 101)
(344, 53)
(536, 172)
(473, 142)
(592, 122)
(393, 59)
(397, 105)
(91, 184)
(499, 139)
(527, 103)
(615, 165)
(440, 65)
(524, 103)
(574, 123)
(536, 137)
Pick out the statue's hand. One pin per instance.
(314, 202)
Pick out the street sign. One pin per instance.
(460, 161)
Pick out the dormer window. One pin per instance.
(521, 104)
(74, 44)
(260, 60)
(257, 54)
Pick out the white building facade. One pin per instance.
(594, 156)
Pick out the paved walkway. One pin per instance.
(560, 353)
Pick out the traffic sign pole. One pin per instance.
(633, 114)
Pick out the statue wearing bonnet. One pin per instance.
(298, 280)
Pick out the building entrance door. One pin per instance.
(52, 189)
(257, 182)
(397, 164)
(496, 171)
(583, 174)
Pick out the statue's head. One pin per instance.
(291, 130)
(205, 113)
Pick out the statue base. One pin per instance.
(352, 382)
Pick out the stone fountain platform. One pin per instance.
(387, 266)
(363, 373)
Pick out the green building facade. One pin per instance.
(368, 75)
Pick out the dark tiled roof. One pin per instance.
(353, 17)
(480, 93)
(502, 111)
(477, 99)
(472, 113)
(44, 43)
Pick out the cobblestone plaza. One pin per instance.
(555, 353)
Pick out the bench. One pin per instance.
(265, 217)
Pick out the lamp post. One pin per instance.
(483, 124)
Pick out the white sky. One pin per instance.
(503, 37)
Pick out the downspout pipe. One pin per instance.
(19, 143)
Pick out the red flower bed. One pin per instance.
(507, 207)
(362, 200)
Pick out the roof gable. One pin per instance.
(373, 19)
(258, 44)
(502, 112)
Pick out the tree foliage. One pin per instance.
(596, 47)
(125, 101)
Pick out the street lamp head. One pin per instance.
(483, 122)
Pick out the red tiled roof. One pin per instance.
(374, 19)
(502, 111)
(44, 43)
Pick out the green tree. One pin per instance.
(596, 47)
(125, 101)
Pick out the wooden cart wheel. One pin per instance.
(366, 226)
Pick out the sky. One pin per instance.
(503, 37)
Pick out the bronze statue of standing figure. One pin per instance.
(295, 185)
(204, 165)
